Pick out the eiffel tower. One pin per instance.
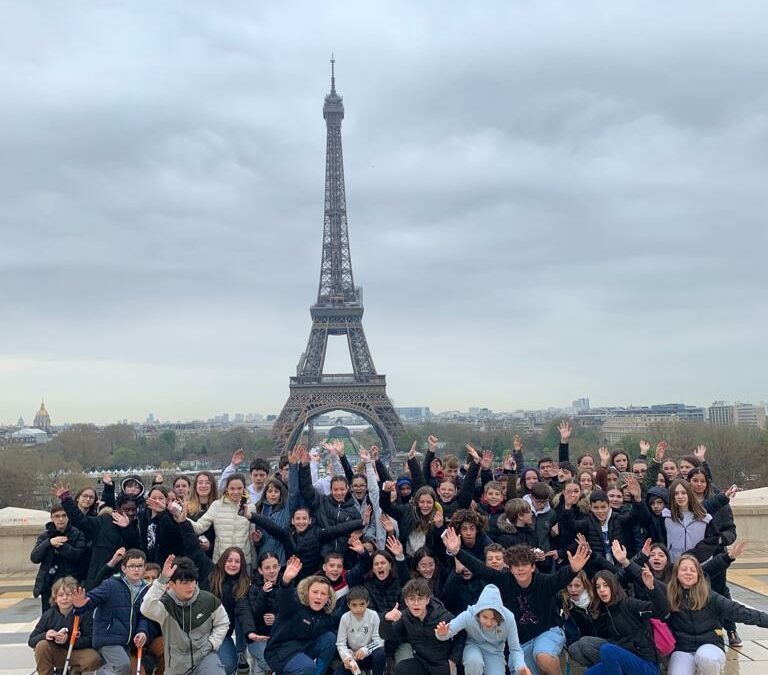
(338, 311)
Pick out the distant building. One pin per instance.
(739, 414)
(42, 419)
(416, 414)
(580, 404)
(20, 423)
(29, 436)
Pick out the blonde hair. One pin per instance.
(698, 595)
(65, 582)
(194, 507)
(302, 591)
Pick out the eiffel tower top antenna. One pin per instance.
(333, 74)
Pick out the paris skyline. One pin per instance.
(530, 219)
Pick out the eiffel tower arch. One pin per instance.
(338, 311)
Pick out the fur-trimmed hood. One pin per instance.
(302, 591)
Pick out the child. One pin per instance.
(303, 639)
(50, 637)
(194, 622)
(416, 625)
(357, 640)
(118, 624)
(489, 626)
(58, 551)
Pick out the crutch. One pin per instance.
(138, 660)
(72, 639)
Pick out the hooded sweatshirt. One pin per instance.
(489, 641)
(191, 628)
(684, 534)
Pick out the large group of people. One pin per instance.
(471, 564)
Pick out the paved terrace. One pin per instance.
(748, 578)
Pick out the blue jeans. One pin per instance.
(228, 655)
(315, 659)
(259, 664)
(617, 661)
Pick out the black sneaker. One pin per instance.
(242, 663)
(734, 640)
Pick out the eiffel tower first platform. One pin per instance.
(338, 311)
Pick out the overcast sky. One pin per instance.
(546, 200)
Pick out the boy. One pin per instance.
(489, 627)
(117, 622)
(58, 551)
(358, 641)
(530, 595)
(416, 625)
(194, 622)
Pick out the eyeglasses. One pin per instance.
(135, 567)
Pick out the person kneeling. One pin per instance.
(194, 622)
(51, 636)
(489, 626)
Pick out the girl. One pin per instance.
(160, 532)
(528, 479)
(303, 640)
(620, 460)
(582, 640)
(182, 486)
(687, 522)
(229, 582)
(258, 612)
(87, 501)
(201, 495)
(624, 623)
(724, 523)
(228, 516)
(419, 521)
(586, 482)
(276, 506)
(696, 619)
(426, 566)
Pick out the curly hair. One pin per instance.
(468, 516)
(302, 590)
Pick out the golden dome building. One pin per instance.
(42, 419)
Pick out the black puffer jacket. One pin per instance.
(431, 653)
(298, 626)
(704, 627)
(105, 535)
(626, 624)
(56, 563)
(53, 619)
(251, 609)
(328, 513)
(306, 545)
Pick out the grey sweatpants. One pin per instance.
(116, 660)
(586, 651)
(210, 665)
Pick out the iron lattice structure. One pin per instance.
(338, 311)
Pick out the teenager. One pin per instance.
(696, 616)
(425, 565)
(302, 641)
(230, 583)
(416, 625)
(118, 623)
(581, 631)
(276, 506)
(228, 516)
(490, 627)
(530, 595)
(258, 611)
(106, 532)
(258, 471)
(203, 493)
(51, 635)
(182, 486)
(160, 532)
(419, 521)
(193, 621)
(58, 551)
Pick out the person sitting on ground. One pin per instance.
(358, 641)
(118, 624)
(194, 622)
(490, 627)
(416, 625)
(51, 635)
(303, 638)
(58, 551)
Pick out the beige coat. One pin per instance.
(231, 529)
